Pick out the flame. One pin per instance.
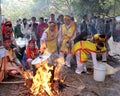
(60, 63)
(43, 48)
(27, 74)
(41, 81)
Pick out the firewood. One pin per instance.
(12, 82)
(69, 85)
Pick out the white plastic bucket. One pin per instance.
(99, 72)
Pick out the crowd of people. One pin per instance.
(62, 36)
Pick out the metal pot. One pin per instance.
(42, 59)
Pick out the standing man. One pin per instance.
(66, 36)
(17, 30)
(84, 27)
(49, 38)
(40, 29)
(33, 27)
(84, 30)
(24, 28)
(52, 18)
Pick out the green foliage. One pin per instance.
(13, 9)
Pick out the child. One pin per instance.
(31, 53)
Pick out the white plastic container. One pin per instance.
(99, 72)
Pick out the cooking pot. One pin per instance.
(40, 60)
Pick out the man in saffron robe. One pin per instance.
(81, 49)
(66, 36)
(49, 38)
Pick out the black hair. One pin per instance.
(102, 36)
(101, 44)
(72, 18)
(42, 18)
(110, 20)
(84, 16)
(60, 16)
(107, 21)
(33, 18)
(81, 37)
(24, 19)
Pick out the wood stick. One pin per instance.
(12, 82)
(69, 85)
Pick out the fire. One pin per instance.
(45, 78)
(60, 63)
(41, 81)
(27, 74)
(43, 48)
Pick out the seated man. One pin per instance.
(7, 64)
(7, 45)
(31, 53)
(81, 49)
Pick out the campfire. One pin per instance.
(47, 80)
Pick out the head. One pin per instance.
(33, 19)
(41, 19)
(84, 35)
(72, 18)
(52, 26)
(31, 44)
(60, 17)
(52, 16)
(99, 45)
(24, 20)
(18, 22)
(85, 17)
(102, 38)
(107, 22)
(8, 25)
(7, 43)
(67, 19)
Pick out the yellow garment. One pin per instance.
(51, 40)
(67, 34)
(85, 47)
(11, 52)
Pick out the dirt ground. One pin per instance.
(76, 85)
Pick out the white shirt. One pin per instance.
(25, 30)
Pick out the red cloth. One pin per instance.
(40, 29)
(5, 33)
(3, 29)
(31, 53)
